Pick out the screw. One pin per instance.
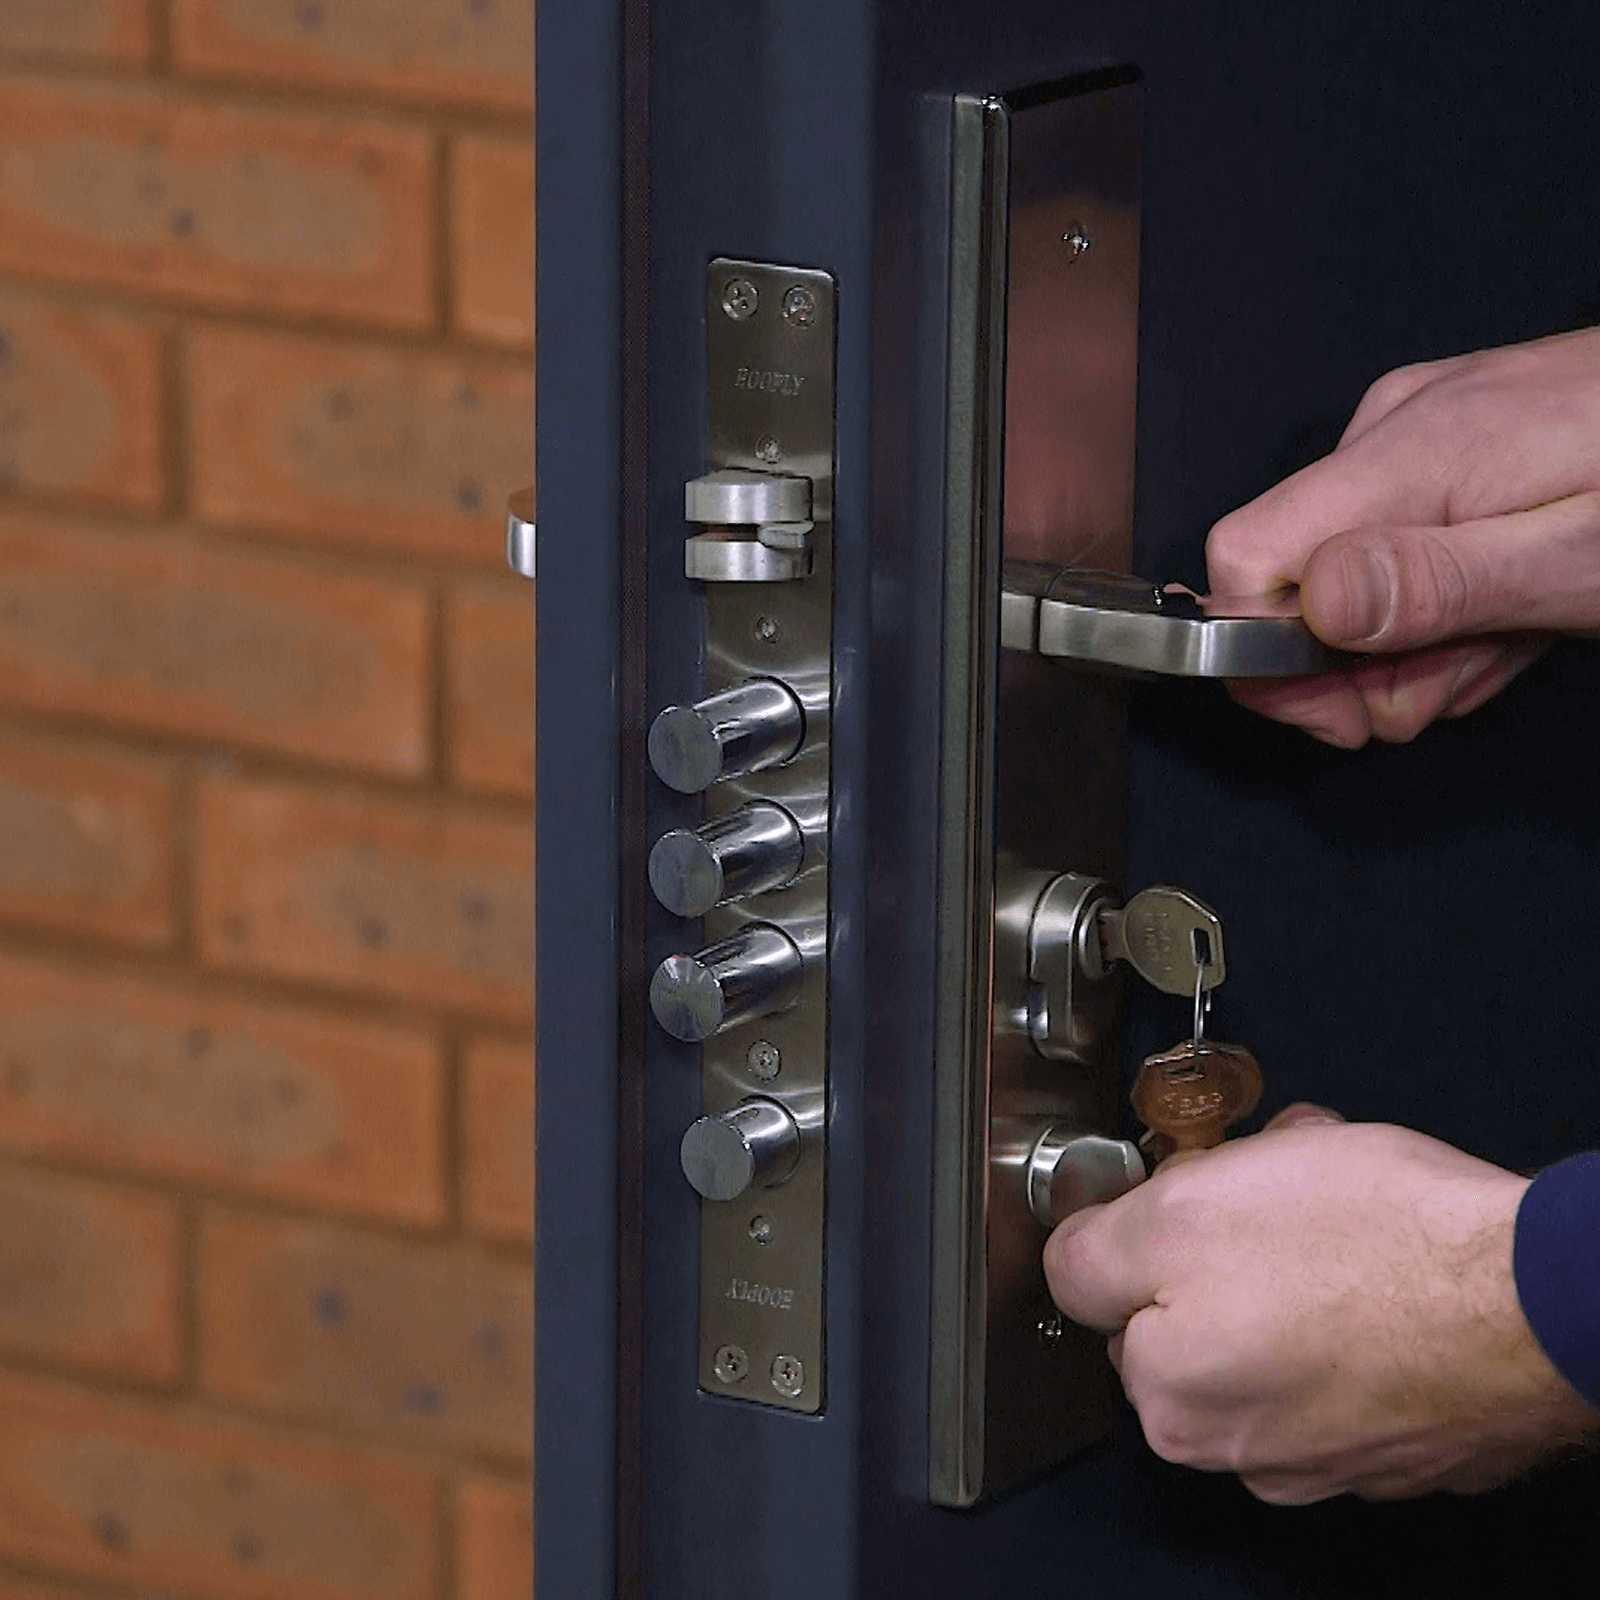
(1076, 239)
(788, 1376)
(730, 1363)
(739, 298)
(800, 307)
(768, 449)
(763, 1057)
(1050, 1331)
(761, 1229)
(767, 630)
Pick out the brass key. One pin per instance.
(1191, 1094)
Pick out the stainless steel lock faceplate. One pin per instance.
(770, 348)
(1043, 344)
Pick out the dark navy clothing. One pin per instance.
(1556, 1262)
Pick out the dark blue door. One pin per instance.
(1330, 190)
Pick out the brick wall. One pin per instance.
(265, 799)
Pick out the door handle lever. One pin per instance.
(1111, 619)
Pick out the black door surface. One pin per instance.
(1330, 190)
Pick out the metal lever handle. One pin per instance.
(1111, 619)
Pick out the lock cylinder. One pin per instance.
(1069, 1169)
(754, 973)
(753, 725)
(756, 848)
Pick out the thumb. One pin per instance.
(1388, 588)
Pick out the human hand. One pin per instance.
(1323, 1308)
(1455, 527)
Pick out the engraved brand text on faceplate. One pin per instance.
(761, 1294)
(768, 382)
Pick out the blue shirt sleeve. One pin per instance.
(1556, 1263)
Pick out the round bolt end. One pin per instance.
(684, 750)
(687, 999)
(755, 1145)
(685, 874)
(716, 1160)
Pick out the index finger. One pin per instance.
(1386, 476)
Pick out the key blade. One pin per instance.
(1158, 931)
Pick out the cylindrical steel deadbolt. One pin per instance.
(755, 724)
(756, 848)
(753, 974)
(753, 1146)
(1069, 1170)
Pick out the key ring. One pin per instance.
(1202, 1005)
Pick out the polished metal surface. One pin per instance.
(1172, 939)
(737, 497)
(771, 410)
(522, 553)
(1043, 357)
(756, 848)
(755, 1145)
(1070, 1169)
(1108, 619)
(752, 973)
(728, 734)
(721, 556)
(1073, 998)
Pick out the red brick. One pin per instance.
(85, 839)
(497, 1138)
(477, 52)
(414, 900)
(494, 1540)
(133, 1494)
(489, 675)
(431, 1342)
(230, 206)
(78, 30)
(15, 1588)
(358, 444)
(80, 402)
(89, 1275)
(169, 633)
(140, 1075)
(491, 237)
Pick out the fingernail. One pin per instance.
(1366, 596)
(1472, 669)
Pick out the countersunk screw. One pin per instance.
(730, 1363)
(761, 1230)
(739, 298)
(788, 1376)
(767, 631)
(1076, 239)
(763, 1057)
(800, 306)
(1050, 1331)
(768, 449)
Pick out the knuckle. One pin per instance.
(1167, 1430)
